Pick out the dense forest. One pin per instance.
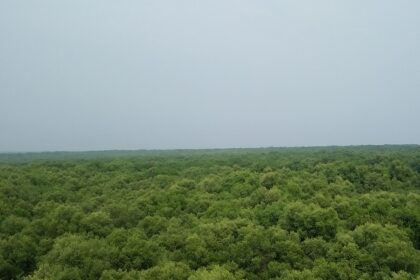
(275, 213)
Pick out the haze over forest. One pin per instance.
(94, 75)
(209, 140)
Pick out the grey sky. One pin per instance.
(102, 74)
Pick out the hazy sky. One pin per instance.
(130, 74)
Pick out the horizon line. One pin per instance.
(201, 149)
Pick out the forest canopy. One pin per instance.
(274, 213)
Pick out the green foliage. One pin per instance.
(307, 213)
(215, 273)
(311, 220)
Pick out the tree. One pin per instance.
(215, 273)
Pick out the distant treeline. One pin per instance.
(112, 154)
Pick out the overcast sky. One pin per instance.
(130, 74)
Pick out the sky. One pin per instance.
(136, 74)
